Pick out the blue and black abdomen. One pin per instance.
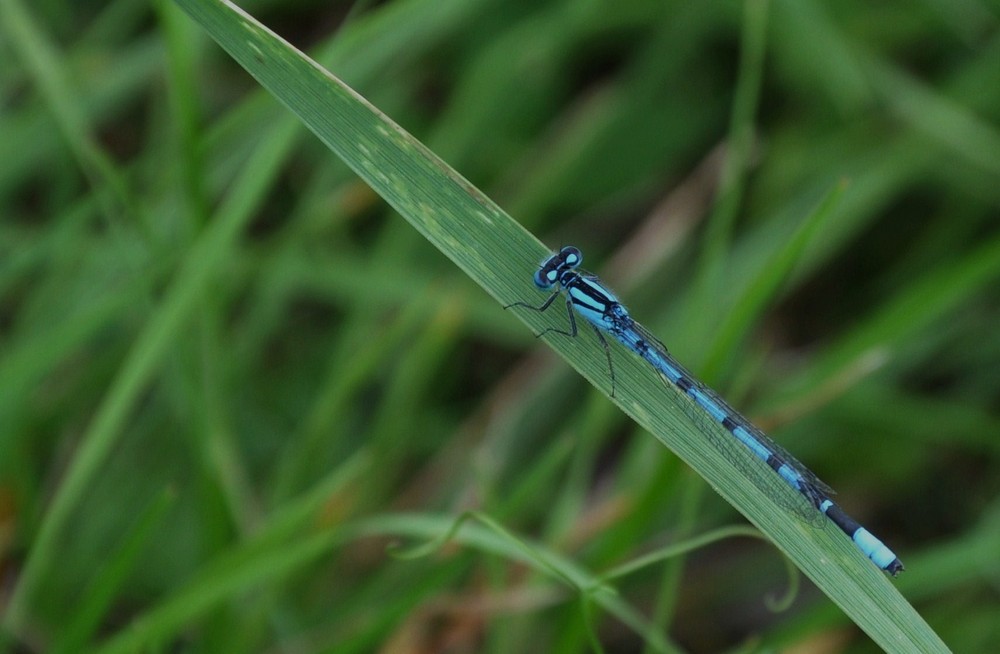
(588, 297)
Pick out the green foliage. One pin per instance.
(229, 374)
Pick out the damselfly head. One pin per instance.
(551, 270)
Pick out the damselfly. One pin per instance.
(586, 295)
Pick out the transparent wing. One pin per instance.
(738, 454)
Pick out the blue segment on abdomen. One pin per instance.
(755, 445)
(661, 364)
(873, 548)
(706, 403)
(790, 475)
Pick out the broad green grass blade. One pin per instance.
(500, 256)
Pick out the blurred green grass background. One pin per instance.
(342, 383)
